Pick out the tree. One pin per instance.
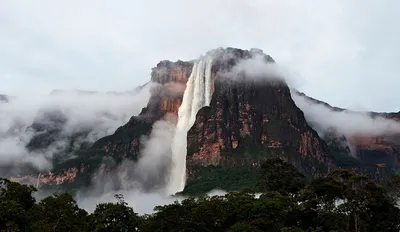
(59, 212)
(202, 214)
(243, 227)
(291, 229)
(21, 194)
(345, 200)
(277, 175)
(13, 217)
(114, 217)
(393, 186)
(15, 202)
(340, 201)
(274, 209)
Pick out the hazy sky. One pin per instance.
(345, 52)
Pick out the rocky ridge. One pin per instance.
(248, 121)
(374, 154)
(245, 116)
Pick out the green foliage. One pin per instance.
(343, 160)
(393, 186)
(22, 194)
(59, 213)
(15, 203)
(340, 201)
(291, 229)
(277, 175)
(243, 227)
(226, 178)
(365, 206)
(114, 217)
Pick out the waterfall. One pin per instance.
(38, 181)
(197, 94)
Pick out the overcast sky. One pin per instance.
(345, 52)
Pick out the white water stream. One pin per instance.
(197, 94)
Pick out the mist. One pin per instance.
(141, 202)
(347, 122)
(319, 116)
(144, 184)
(259, 67)
(150, 173)
(35, 128)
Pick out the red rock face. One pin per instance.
(172, 77)
(381, 151)
(258, 117)
(166, 99)
(170, 106)
(171, 72)
(386, 143)
(170, 81)
(375, 151)
(370, 143)
(250, 121)
(247, 122)
(68, 175)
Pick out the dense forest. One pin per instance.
(287, 202)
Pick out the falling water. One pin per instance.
(197, 94)
(38, 181)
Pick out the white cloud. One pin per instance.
(322, 118)
(142, 203)
(98, 113)
(257, 68)
(348, 123)
(346, 47)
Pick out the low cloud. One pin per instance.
(155, 163)
(143, 183)
(142, 202)
(348, 123)
(321, 117)
(260, 68)
(150, 173)
(256, 67)
(169, 90)
(34, 128)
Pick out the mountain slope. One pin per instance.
(247, 122)
(251, 117)
(375, 143)
(107, 153)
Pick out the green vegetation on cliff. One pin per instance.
(229, 179)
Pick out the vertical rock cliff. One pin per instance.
(168, 80)
(231, 118)
(230, 121)
(376, 152)
(249, 120)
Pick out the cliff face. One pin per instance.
(252, 115)
(168, 80)
(373, 153)
(384, 150)
(171, 78)
(248, 121)
(381, 152)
